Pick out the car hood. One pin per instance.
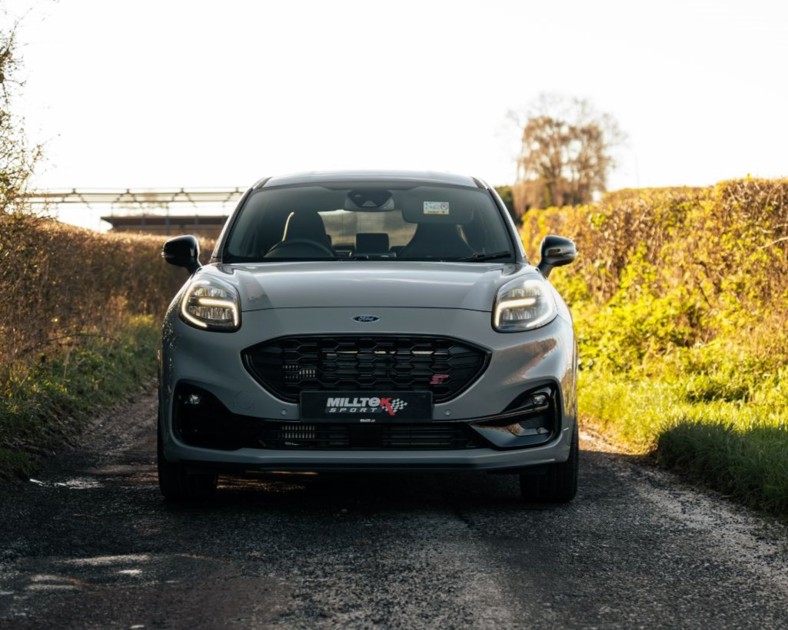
(360, 284)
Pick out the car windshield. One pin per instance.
(369, 222)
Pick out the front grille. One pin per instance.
(370, 437)
(349, 363)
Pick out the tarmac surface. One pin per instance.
(89, 543)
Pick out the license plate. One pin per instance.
(366, 407)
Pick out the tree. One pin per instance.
(505, 193)
(16, 159)
(566, 154)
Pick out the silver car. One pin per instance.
(359, 321)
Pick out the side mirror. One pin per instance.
(182, 251)
(556, 251)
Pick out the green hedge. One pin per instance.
(680, 298)
(79, 315)
(60, 284)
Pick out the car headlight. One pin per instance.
(210, 304)
(523, 304)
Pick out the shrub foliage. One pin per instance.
(665, 269)
(680, 299)
(79, 316)
(60, 284)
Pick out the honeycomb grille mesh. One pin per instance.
(347, 363)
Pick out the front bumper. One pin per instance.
(519, 363)
(254, 460)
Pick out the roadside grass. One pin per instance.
(739, 447)
(46, 405)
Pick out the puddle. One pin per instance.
(78, 483)
(106, 561)
(49, 582)
(115, 470)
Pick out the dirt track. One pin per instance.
(90, 544)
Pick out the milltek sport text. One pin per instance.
(372, 404)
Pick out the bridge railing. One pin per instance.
(98, 208)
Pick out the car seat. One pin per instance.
(304, 236)
(436, 240)
(372, 243)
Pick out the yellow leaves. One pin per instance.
(665, 274)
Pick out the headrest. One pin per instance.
(372, 242)
(306, 225)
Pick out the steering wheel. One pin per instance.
(281, 247)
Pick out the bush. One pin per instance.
(79, 315)
(60, 284)
(680, 299)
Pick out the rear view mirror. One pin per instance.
(182, 251)
(556, 251)
(369, 199)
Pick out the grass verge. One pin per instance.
(737, 447)
(48, 405)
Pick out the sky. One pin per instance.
(156, 94)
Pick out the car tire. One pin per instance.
(177, 484)
(554, 483)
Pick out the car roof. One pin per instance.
(324, 177)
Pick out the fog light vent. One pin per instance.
(539, 400)
(529, 420)
(531, 402)
(523, 429)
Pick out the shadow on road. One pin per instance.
(365, 492)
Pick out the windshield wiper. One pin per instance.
(491, 256)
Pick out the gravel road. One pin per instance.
(90, 544)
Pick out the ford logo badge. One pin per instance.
(366, 319)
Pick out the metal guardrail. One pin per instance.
(132, 198)
(198, 210)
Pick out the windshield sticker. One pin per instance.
(436, 207)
